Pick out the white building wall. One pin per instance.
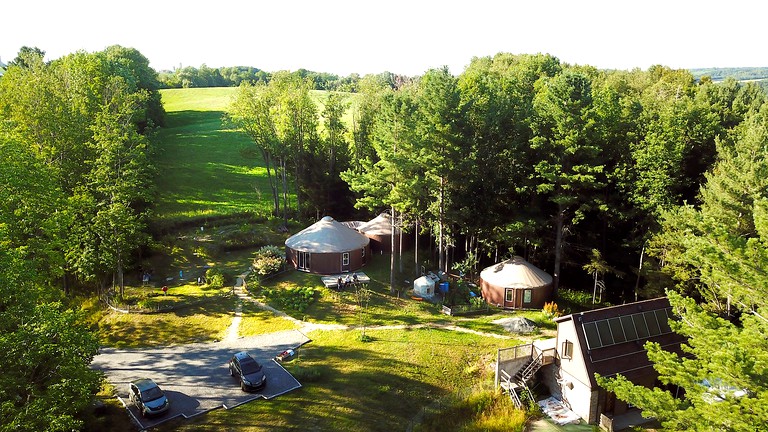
(577, 396)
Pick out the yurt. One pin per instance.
(327, 247)
(379, 230)
(516, 284)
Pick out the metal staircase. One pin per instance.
(517, 386)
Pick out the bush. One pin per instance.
(295, 299)
(215, 277)
(269, 260)
(551, 310)
(306, 374)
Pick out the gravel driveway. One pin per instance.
(195, 377)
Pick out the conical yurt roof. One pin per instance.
(327, 236)
(516, 273)
(380, 225)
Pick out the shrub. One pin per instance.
(295, 299)
(215, 277)
(269, 260)
(551, 310)
(477, 302)
(306, 374)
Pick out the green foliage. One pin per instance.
(215, 277)
(83, 116)
(306, 374)
(717, 252)
(483, 410)
(47, 351)
(294, 299)
(269, 260)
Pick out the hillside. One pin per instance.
(202, 171)
(739, 74)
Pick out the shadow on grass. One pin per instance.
(201, 323)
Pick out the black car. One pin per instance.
(148, 397)
(248, 370)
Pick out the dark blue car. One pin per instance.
(248, 371)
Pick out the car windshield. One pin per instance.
(151, 394)
(249, 366)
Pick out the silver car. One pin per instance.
(147, 397)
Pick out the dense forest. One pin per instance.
(77, 181)
(655, 177)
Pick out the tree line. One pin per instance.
(204, 76)
(77, 178)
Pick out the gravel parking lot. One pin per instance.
(196, 377)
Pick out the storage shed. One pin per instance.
(425, 285)
(516, 284)
(327, 247)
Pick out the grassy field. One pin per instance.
(202, 171)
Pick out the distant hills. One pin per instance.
(739, 74)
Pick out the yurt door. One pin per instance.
(509, 298)
(345, 262)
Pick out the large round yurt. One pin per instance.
(379, 230)
(516, 284)
(327, 247)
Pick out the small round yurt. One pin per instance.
(327, 247)
(379, 230)
(516, 284)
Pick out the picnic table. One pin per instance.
(332, 281)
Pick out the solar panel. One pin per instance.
(593, 340)
(653, 325)
(616, 330)
(627, 328)
(605, 332)
(640, 326)
(663, 317)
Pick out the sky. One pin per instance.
(400, 36)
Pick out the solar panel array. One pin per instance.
(627, 328)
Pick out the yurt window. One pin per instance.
(345, 258)
(303, 260)
(509, 295)
(527, 296)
